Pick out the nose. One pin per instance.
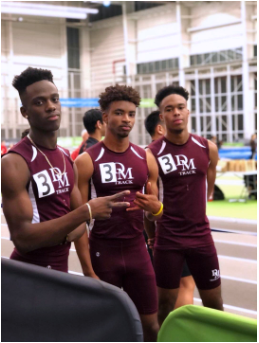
(176, 112)
(126, 118)
(50, 107)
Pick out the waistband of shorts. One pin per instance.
(118, 242)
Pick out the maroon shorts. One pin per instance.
(202, 262)
(126, 264)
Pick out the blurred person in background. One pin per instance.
(117, 246)
(41, 200)
(93, 122)
(3, 148)
(75, 153)
(156, 128)
(253, 145)
(186, 163)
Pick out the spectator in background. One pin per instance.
(253, 144)
(93, 122)
(3, 148)
(75, 153)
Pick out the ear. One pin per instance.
(98, 124)
(105, 117)
(160, 130)
(23, 112)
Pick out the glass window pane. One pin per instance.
(231, 55)
(193, 105)
(207, 86)
(200, 87)
(233, 108)
(214, 57)
(239, 83)
(170, 64)
(208, 104)
(201, 123)
(201, 105)
(193, 60)
(163, 65)
(233, 123)
(224, 104)
(207, 58)
(157, 66)
(216, 85)
(217, 123)
(232, 83)
(224, 123)
(240, 123)
(193, 124)
(223, 84)
(193, 87)
(216, 103)
(199, 59)
(208, 123)
(222, 56)
(240, 102)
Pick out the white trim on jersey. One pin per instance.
(61, 149)
(160, 189)
(135, 152)
(34, 153)
(93, 196)
(35, 216)
(198, 143)
(162, 148)
(100, 155)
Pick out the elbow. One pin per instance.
(21, 245)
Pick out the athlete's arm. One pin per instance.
(18, 210)
(211, 173)
(149, 201)
(85, 171)
(75, 202)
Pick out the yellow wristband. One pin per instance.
(160, 210)
(90, 213)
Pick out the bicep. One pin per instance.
(17, 206)
(152, 171)
(84, 166)
(213, 155)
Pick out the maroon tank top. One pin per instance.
(183, 191)
(50, 198)
(115, 172)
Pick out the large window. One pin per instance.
(157, 66)
(221, 112)
(216, 57)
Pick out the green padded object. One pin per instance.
(192, 323)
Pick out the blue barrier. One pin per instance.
(236, 153)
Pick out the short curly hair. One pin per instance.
(30, 76)
(168, 90)
(118, 93)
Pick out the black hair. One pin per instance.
(164, 92)
(90, 119)
(117, 93)
(25, 133)
(30, 76)
(152, 121)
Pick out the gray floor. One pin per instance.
(237, 252)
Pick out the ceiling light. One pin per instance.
(46, 10)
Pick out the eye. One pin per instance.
(132, 115)
(56, 99)
(38, 102)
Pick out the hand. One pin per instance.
(151, 242)
(102, 207)
(147, 202)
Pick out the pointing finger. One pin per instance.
(119, 195)
(120, 204)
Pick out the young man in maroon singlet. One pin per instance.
(41, 200)
(187, 170)
(156, 128)
(117, 247)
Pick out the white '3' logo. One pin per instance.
(168, 164)
(113, 172)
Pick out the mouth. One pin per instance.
(177, 121)
(53, 117)
(126, 128)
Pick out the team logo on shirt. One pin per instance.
(169, 164)
(45, 184)
(215, 274)
(116, 172)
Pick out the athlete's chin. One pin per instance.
(123, 134)
(176, 131)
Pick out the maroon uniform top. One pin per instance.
(115, 172)
(50, 198)
(183, 191)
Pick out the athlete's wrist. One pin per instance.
(158, 209)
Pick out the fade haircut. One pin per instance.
(152, 121)
(90, 119)
(172, 89)
(118, 93)
(30, 76)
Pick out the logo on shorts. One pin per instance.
(215, 274)
(97, 254)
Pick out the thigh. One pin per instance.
(168, 265)
(106, 263)
(204, 266)
(139, 280)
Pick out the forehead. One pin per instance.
(40, 88)
(173, 100)
(126, 106)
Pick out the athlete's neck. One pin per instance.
(177, 138)
(116, 144)
(46, 139)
